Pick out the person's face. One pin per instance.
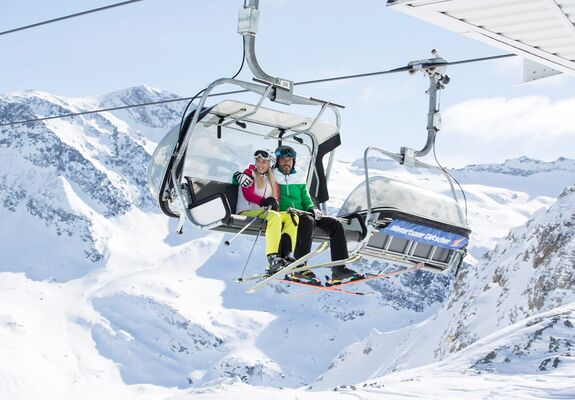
(262, 166)
(285, 165)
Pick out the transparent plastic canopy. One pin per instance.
(405, 197)
(159, 162)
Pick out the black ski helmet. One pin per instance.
(286, 151)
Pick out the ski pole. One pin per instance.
(301, 212)
(241, 278)
(228, 242)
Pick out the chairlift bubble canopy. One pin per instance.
(393, 194)
(409, 224)
(191, 172)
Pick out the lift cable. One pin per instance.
(356, 76)
(95, 10)
(449, 174)
(204, 89)
(402, 69)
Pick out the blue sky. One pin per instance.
(181, 46)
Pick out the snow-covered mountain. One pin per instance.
(530, 271)
(61, 179)
(532, 358)
(524, 166)
(100, 298)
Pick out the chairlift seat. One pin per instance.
(200, 189)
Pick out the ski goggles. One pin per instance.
(285, 151)
(264, 155)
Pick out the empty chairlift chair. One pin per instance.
(407, 224)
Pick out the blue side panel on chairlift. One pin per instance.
(425, 234)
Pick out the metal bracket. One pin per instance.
(434, 68)
(247, 26)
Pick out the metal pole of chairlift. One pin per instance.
(433, 116)
(247, 27)
(283, 88)
(434, 68)
(438, 80)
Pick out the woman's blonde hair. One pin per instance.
(261, 183)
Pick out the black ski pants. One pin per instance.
(332, 226)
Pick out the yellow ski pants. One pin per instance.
(278, 223)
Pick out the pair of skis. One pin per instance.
(319, 288)
(368, 277)
(297, 266)
(287, 269)
(327, 264)
(277, 277)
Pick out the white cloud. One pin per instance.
(532, 117)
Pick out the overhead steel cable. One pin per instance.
(402, 69)
(315, 81)
(184, 114)
(95, 10)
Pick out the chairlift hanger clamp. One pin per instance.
(247, 27)
(434, 68)
(282, 89)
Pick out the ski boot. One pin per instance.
(342, 274)
(275, 263)
(305, 276)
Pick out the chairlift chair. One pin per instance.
(191, 169)
(406, 223)
(190, 174)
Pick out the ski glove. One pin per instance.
(243, 179)
(317, 214)
(270, 201)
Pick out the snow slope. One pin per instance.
(101, 299)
